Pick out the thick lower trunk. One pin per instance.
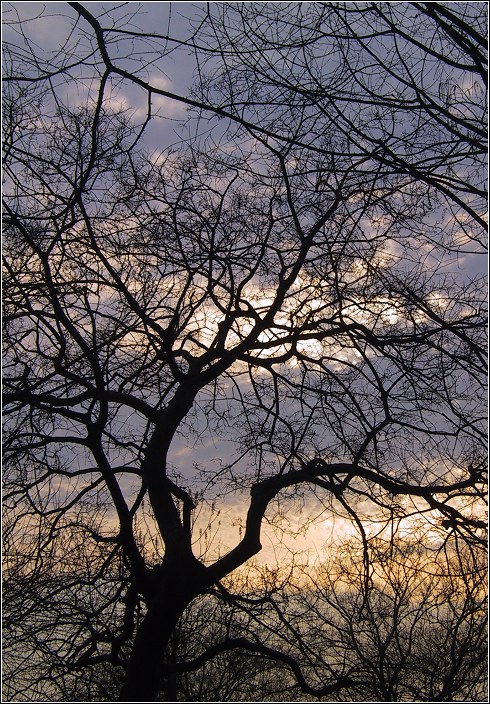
(144, 673)
(146, 665)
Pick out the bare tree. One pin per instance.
(300, 299)
(410, 627)
(402, 84)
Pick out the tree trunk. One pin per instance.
(176, 589)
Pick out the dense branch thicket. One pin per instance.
(296, 281)
(415, 629)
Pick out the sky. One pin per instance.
(175, 73)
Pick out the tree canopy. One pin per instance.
(283, 303)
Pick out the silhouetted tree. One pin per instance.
(410, 627)
(401, 619)
(287, 282)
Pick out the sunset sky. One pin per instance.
(245, 285)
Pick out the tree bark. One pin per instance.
(176, 586)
